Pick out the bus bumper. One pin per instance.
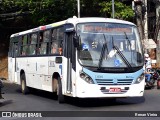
(85, 90)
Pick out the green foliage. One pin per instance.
(41, 12)
(90, 8)
(121, 10)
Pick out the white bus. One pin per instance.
(79, 57)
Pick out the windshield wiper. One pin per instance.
(102, 52)
(121, 54)
(127, 39)
(129, 44)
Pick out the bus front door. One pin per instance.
(69, 53)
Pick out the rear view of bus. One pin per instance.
(110, 59)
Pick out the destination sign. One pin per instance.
(104, 29)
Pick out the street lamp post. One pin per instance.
(113, 8)
(78, 7)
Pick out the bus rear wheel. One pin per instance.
(61, 97)
(24, 88)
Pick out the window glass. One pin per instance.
(24, 45)
(33, 43)
(54, 34)
(44, 41)
(46, 36)
(60, 33)
(10, 50)
(15, 49)
(57, 39)
(54, 47)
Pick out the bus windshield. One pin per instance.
(109, 45)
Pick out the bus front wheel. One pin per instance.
(24, 88)
(61, 97)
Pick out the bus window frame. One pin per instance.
(14, 40)
(22, 45)
(30, 44)
(57, 41)
(47, 43)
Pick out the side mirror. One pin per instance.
(139, 57)
(69, 28)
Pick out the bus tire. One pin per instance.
(61, 97)
(24, 88)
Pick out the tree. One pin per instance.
(122, 11)
(90, 8)
(39, 12)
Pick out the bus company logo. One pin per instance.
(115, 81)
(99, 76)
(129, 77)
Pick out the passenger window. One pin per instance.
(24, 45)
(57, 40)
(44, 40)
(33, 44)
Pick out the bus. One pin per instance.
(79, 57)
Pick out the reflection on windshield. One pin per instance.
(97, 45)
(121, 55)
(105, 47)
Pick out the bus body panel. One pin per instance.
(37, 72)
(11, 69)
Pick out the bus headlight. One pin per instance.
(140, 78)
(86, 78)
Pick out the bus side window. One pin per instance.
(41, 45)
(33, 43)
(24, 45)
(44, 43)
(54, 34)
(16, 50)
(56, 43)
(54, 48)
(60, 35)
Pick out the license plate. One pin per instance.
(115, 90)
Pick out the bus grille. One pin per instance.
(114, 81)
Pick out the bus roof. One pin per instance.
(39, 28)
(97, 19)
(74, 21)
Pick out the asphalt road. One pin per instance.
(46, 101)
